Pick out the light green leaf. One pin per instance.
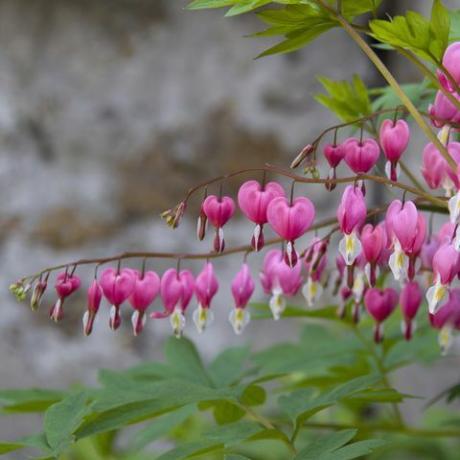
(29, 400)
(63, 418)
(227, 367)
(253, 395)
(325, 445)
(353, 8)
(454, 34)
(6, 447)
(348, 100)
(227, 412)
(205, 4)
(183, 357)
(161, 427)
(355, 450)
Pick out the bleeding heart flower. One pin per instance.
(94, 301)
(315, 263)
(373, 241)
(278, 279)
(242, 289)
(410, 300)
(218, 211)
(436, 170)
(206, 286)
(176, 290)
(253, 200)
(447, 318)
(394, 138)
(380, 303)
(290, 221)
(146, 288)
(361, 156)
(445, 268)
(351, 215)
(65, 285)
(334, 155)
(451, 62)
(443, 110)
(117, 286)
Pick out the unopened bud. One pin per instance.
(302, 155)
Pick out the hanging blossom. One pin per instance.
(65, 285)
(315, 262)
(94, 301)
(218, 210)
(406, 229)
(373, 241)
(117, 285)
(242, 289)
(445, 268)
(334, 154)
(206, 286)
(176, 291)
(253, 200)
(279, 280)
(410, 300)
(394, 138)
(146, 289)
(447, 319)
(351, 215)
(443, 111)
(450, 62)
(380, 303)
(290, 220)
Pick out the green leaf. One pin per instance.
(253, 395)
(348, 100)
(355, 450)
(299, 24)
(29, 400)
(426, 38)
(183, 357)
(205, 4)
(161, 427)
(63, 418)
(227, 412)
(325, 445)
(227, 367)
(245, 6)
(353, 8)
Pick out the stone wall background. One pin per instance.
(108, 113)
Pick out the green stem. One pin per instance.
(392, 82)
(410, 176)
(381, 369)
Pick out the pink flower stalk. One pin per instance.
(176, 291)
(278, 279)
(94, 301)
(445, 268)
(351, 215)
(253, 200)
(361, 156)
(451, 62)
(290, 221)
(435, 169)
(117, 286)
(65, 285)
(373, 241)
(394, 138)
(447, 318)
(206, 286)
(315, 263)
(218, 210)
(146, 289)
(334, 154)
(443, 110)
(410, 300)
(242, 289)
(380, 303)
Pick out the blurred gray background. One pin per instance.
(109, 111)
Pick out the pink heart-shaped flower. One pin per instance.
(361, 156)
(218, 210)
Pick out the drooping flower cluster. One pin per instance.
(423, 263)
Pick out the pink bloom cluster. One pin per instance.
(400, 243)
